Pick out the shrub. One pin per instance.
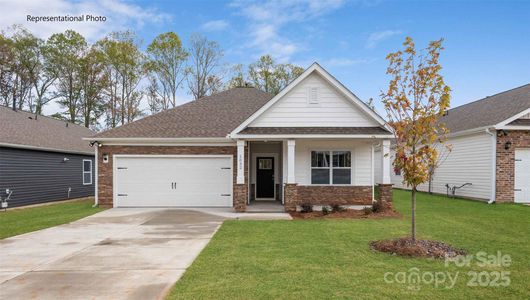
(377, 206)
(326, 209)
(306, 208)
(367, 210)
(337, 208)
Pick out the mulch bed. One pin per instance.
(421, 248)
(346, 214)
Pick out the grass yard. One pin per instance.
(320, 259)
(18, 221)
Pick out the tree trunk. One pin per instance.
(414, 213)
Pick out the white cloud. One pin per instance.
(268, 19)
(120, 15)
(379, 36)
(216, 25)
(346, 62)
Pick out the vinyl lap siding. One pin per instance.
(332, 110)
(40, 176)
(469, 161)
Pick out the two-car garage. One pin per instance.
(173, 180)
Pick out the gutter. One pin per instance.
(493, 164)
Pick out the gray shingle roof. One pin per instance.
(213, 116)
(314, 130)
(20, 128)
(488, 111)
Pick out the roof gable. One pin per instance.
(329, 107)
(337, 98)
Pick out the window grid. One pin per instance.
(331, 166)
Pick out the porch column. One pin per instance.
(290, 161)
(385, 163)
(240, 162)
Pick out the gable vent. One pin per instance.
(313, 95)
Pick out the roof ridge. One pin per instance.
(490, 96)
(41, 115)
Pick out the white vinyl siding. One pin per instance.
(469, 161)
(297, 108)
(360, 159)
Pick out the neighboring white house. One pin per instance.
(490, 141)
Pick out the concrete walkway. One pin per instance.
(124, 253)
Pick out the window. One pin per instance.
(87, 172)
(265, 164)
(330, 167)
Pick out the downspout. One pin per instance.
(373, 174)
(96, 200)
(493, 164)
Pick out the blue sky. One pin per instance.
(487, 42)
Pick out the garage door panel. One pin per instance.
(174, 181)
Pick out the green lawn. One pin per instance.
(19, 221)
(320, 259)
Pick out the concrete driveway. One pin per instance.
(115, 254)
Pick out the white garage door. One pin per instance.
(522, 175)
(178, 181)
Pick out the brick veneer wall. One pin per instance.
(105, 169)
(506, 162)
(385, 195)
(296, 195)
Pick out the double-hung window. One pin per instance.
(87, 171)
(330, 167)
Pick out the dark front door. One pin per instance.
(265, 177)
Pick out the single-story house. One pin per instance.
(43, 159)
(490, 140)
(313, 143)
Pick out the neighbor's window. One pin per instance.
(330, 167)
(87, 171)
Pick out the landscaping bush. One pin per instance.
(306, 208)
(326, 209)
(377, 206)
(367, 210)
(337, 208)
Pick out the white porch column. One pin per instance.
(290, 161)
(385, 163)
(240, 162)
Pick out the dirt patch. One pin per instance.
(420, 248)
(346, 214)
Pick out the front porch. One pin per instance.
(284, 174)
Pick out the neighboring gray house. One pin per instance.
(490, 141)
(43, 159)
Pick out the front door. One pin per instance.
(265, 178)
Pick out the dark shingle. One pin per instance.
(488, 111)
(22, 129)
(213, 116)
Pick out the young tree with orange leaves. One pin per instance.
(416, 98)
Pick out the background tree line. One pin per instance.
(113, 81)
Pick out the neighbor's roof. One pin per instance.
(213, 116)
(488, 111)
(314, 130)
(22, 129)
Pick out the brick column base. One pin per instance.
(385, 195)
(291, 197)
(240, 197)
